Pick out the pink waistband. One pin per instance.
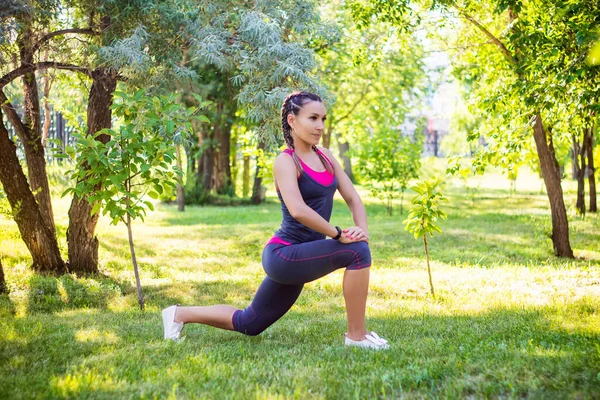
(278, 240)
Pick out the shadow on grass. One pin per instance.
(7, 307)
(49, 294)
(500, 353)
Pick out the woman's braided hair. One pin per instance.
(293, 103)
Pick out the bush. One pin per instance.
(195, 195)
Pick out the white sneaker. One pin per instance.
(172, 329)
(371, 341)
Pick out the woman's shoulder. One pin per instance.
(283, 158)
(326, 152)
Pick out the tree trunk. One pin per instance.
(83, 245)
(38, 238)
(559, 169)
(222, 152)
(574, 162)
(258, 190)
(428, 267)
(327, 133)
(138, 283)
(31, 132)
(208, 167)
(402, 202)
(246, 178)
(579, 153)
(47, 85)
(180, 189)
(343, 148)
(3, 287)
(591, 169)
(199, 178)
(560, 223)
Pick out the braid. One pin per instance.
(293, 104)
(326, 163)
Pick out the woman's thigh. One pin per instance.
(305, 262)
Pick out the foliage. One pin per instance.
(375, 72)
(425, 210)
(457, 168)
(423, 216)
(260, 51)
(137, 159)
(544, 70)
(594, 57)
(387, 162)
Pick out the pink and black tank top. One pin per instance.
(317, 190)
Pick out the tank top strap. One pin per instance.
(327, 158)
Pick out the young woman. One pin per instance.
(306, 178)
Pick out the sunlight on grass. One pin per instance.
(95, 335)
(86, 381)
(509, 319)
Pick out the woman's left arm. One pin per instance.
(349, 193)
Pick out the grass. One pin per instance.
(510, 320)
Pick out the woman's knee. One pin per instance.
(247, 323)
(254, 330)
(363, 255)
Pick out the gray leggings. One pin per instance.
(288, 268)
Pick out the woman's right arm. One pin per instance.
(286, 179)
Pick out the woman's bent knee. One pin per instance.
(251, 328)
(362, 256)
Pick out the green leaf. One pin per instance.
(149, 205)
(115, 180)
(594, 57)
(96, 208)
(170, 127)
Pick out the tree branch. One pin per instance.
(13, 117)
(493, 38)
(24, 69)
(362, 96)
(45, 38)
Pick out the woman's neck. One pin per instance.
(302, 148)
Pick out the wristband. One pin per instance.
(339, 235)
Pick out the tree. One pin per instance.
(371, 70)
(142, 46)
(29, 28)
(388, 161)
(539, 51)
(248, 57)
(38, 238)
(137, 159)
(424, 214)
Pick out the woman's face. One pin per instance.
(309, 123)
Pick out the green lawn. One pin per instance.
(510, 320)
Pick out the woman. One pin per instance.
(306, 178)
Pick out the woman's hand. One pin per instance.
(353, 234)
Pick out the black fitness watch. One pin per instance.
(339, 235)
